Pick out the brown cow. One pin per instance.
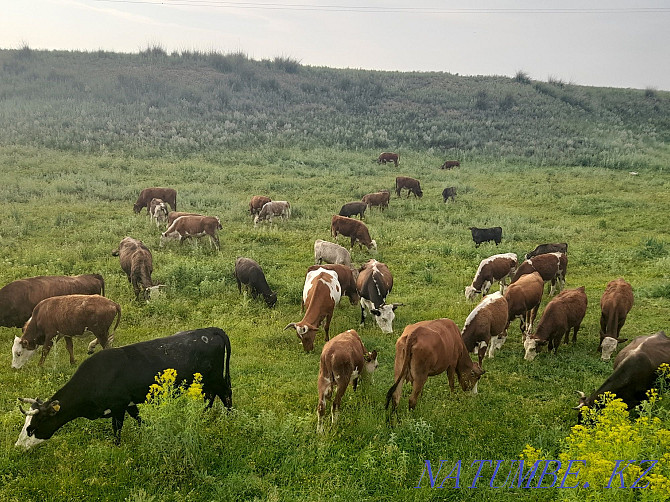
(193, 226)
(343, 359)
(523, 300)
(173, 215)
(487, 321)
(137, 263)
(551, 266)
(563, 313)
(616, 302)
(169, 195)
(378, 199)
(412, 185)
(66, 316)
(388, 157)
(450, 164)
(346, 276)
(428, 348)
(19, 298)
(256, 204)
(354, 229)
(495, 268)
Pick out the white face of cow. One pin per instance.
(470, 293)
(530, 344)
(371, 366)
(384, 317)
(20, 354)
(608, 347)
(26, 441)
(373, 247)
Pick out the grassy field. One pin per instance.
(64, 213)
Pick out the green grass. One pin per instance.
(63, 213)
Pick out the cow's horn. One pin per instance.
(27, 400)
(581, 394)
(578, 407)
(397, 305)
(289, 325)
(29, 412)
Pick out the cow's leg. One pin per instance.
(117, 424)
(482, 352)
(70, 349)
(418, 382)
(552, 291)
(342, 384)
(450, 376)
(135, 413)
(353, 241)
(326, 326)
(45, 349)
(325, 392)
(362, 313)
(574, 334)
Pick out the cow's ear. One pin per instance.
(375, 312)
(24, 343)
(541, 342)
(373, 355)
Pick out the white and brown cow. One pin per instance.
(356, 230)
(523, 300)
(346, 276)
(186, 227)
(616, 302)
(256, 204)
(173, 215)
(374, 283)
(137, 262)
(551, 266)
(168, 195)
(484, 330)
(496, 268)
(343, 359)
(158, 211)
(275, 208)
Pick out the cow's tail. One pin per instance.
(102, 284)
(226, 368)
(404, 371)
(110, 339)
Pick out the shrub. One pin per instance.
(522, 77)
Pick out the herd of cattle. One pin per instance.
(48, 308)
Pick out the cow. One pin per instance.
(378, 199)
(495, 268)
(173, 215)
(66, 316)
(279, 208)
(450, 164)
(354, 229)
(428, 348)
(250, 273)
(185, 227)
(551, 266)
(480, 235)
(487, 321)
(330, 253)
(388, 157)
(19, 298)
(374, 283)
(412, 185)
(523, 300)
(352, 208)
(616, 302)
(346, 276)
(256, 204)
(112, 382)
(343, 359)
(320, 294)
(565, 312)
(634, 371)
(168, 195)
(158, 211)
(556, 247)
(137, 263)
(449, 193)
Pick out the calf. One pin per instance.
(449, 193)
(480, 235)
(551, 266)
(563, 313)
(410, 184)
(616, 302)
(523, 300)
(354, 229)
(168, 195)
(343, 360)
(388, 157)
(346, 276)
(173, 215)
(256, 204)
(377, 199)
(320, 294)
(557, 247)
(185, 227)
(331, 253)
(66, 316)
(112, 382)
(428, 348)
(250, 273)
(374, 283)
(158, 211)
(279, 208)
(137, 263)
(495, 268)
(488, 320)
(352, 208)
(450, 164)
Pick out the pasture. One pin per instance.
(64, 213)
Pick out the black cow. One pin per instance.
(449, 192)
(557, 247)
(480, 235)
(351, 208)
(111, 383)
(250, 273)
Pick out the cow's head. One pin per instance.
(35, 416)
(470, 378)
(153, 292)
(373, 246)
(137, 207)
(270, 299)
(371, 362)
(583, 401)
(306, 333)
(471, 293)
(384, 316)
(533, 346)
(419, 192)
(608, 346)
(22, 351)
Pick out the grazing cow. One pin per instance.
(256, 204)
(158, 211)
(450, 164)
(19, 298)
(487, 321)
(551, 266)
(616, 302)
(410, 184)
(556, 247)
(378, 199)
(374, 283)
(168, 195)
(351, 208)
(428, 348)
(279, 208)
(173, 215)
(185, 227)
(388, 157)
(112, 382)
(563, 313)
(449, 193)
(346, 276)
(343, 359)
(634, 370)
(250, 273)
(356, 230)
(480, 235)
(137, 263)
(330, 253)
(321, 293)
(523, 300)
(66, 316)
(495, 268)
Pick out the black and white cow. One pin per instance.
(374, 283)
(110, 383)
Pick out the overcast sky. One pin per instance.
(612, 43)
